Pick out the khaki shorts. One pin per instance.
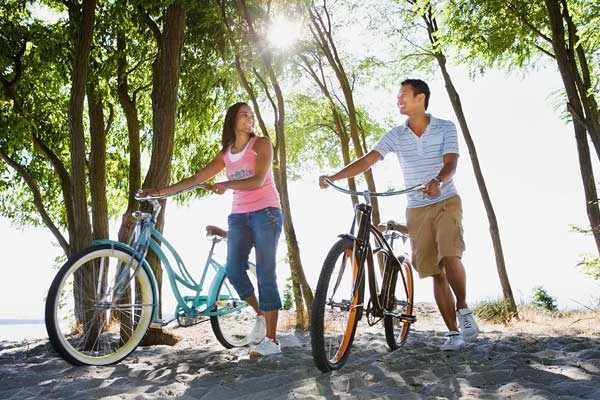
(435, 232)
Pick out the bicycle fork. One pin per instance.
(391, 305)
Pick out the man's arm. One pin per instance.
(354, 168)
(446, 173)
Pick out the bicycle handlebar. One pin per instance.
(164, 196)
(153, 199)
(366, 193)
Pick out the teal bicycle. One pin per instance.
(103, 300)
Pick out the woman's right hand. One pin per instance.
(147, 192)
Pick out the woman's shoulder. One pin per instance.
(261, 142)
(262, 139)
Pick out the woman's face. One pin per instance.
(244, 122)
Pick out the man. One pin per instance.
(427, 149)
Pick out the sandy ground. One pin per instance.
(536, 358)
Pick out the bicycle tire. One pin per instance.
(233, 327)
(397, 326)
(87, 321)
(336, 307)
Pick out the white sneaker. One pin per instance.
(259, 331)
(454, 341)
(466, 322)
(265, 348)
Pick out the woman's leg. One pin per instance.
(239, 244)
(266, 226)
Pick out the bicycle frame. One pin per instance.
(365, 252)
(146, 238)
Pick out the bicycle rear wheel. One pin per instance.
(397, 325)
(97, 311)
(336, 307)
(235, 319)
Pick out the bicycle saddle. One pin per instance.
(212, 230)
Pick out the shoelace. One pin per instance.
(466, 322)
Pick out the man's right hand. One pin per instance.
(322, 181)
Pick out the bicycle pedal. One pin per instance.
(408, 318)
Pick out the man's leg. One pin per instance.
(445, 300)
(448, 286)
(457, 279)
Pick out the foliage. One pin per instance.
(516, 35)
(36, 106)
(591, 267)
(542, 299)
(34, 60)
(509, 34)
(311, 138)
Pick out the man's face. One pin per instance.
(407, 101)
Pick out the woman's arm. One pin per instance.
(215, 166)
(264, 158)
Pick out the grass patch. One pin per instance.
(493, 311)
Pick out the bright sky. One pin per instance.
(529, 161)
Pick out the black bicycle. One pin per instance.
(340, 295)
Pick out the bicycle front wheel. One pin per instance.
(399, 317)
(336, 307)
(235, 318)
(98, 309)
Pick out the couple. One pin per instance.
(427, 149)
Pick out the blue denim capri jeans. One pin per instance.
(259, 229)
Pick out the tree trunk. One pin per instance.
(303, 296)
(487, 202)
(165, 83)
(580, 99)
(83, 22)
(97, 165)
(81, 222)
(491, 215)
(129, 106)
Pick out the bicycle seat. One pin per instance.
(212, 230)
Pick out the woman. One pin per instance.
(255, 220)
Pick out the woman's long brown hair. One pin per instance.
(228, 136)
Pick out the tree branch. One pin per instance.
(37, 199)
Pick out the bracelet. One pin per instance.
(438, 180)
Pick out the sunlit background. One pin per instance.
(536, 195)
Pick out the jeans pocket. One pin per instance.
(274, 215)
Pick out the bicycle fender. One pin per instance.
(125, 247)
(347, 236)
(214, 286)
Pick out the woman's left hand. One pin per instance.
(218, 188)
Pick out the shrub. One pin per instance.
(543, 300)
(288, 297)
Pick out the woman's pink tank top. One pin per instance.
(236, 167)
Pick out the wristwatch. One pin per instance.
(439, 181)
